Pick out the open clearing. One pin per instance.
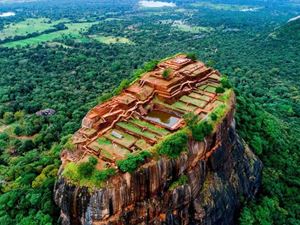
(192, 29)
(111, 39)
(74, 30)
(28, 26)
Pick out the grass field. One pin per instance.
(111, 39)
(28, 26)
(74, 31)
(192, 29)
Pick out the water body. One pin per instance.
(7, 14)
(293, 19)
(162, 118)
(156, 4)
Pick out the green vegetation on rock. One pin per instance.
(182, 180)
(133, 161)
(86, 174)
(257, 49)
(166, 73)
(173, 145)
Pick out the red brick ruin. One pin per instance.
(145, 112)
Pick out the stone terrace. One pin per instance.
(144, 113)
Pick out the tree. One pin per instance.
(26, 146)
(192, 56)
(174, 145)
(103, 175)
(131, 163)
(8, 117)
(213, 116)
(18, 130)
(19, 115)
(190, 119)
(220, 90)
(201, 130)
(225, 82)
(166, 73)
(86, 169)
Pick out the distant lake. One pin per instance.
(156, 4)
(293, 19)
(7, 14)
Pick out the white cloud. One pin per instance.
(156, 4)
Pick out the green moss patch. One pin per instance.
(127, 140)
(210, 89)
(184, 106)
(182, 180)
(199, 96)
(153, 128)
(196, 102)
(135, 129)
(142, 144)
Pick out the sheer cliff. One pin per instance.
(212, 195)
(163, 151)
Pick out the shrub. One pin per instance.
(93, 160)
(26, 146)
(149, 66)
(190, 119)
(220, 90)
(132, 161)
(257, 144)
(182, 180)
(8, 117)
(201, 130)
(210, 63)
(4, 136)
(174, 145)
(18, 130)
(192, 56)
(86, 169)
(3, 145)
(225, 82)
(213, 116)
(103, 175)
(166, 73)
(71, 171)
(19, 115)
(124, 84)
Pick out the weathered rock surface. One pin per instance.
(221, 171)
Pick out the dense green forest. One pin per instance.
(250, 41)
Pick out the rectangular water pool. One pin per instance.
(163, 118)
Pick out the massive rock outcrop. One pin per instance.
(221, 171)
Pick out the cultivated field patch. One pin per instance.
(28, 26)
(74, 30)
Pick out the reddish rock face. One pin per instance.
(220, 171)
